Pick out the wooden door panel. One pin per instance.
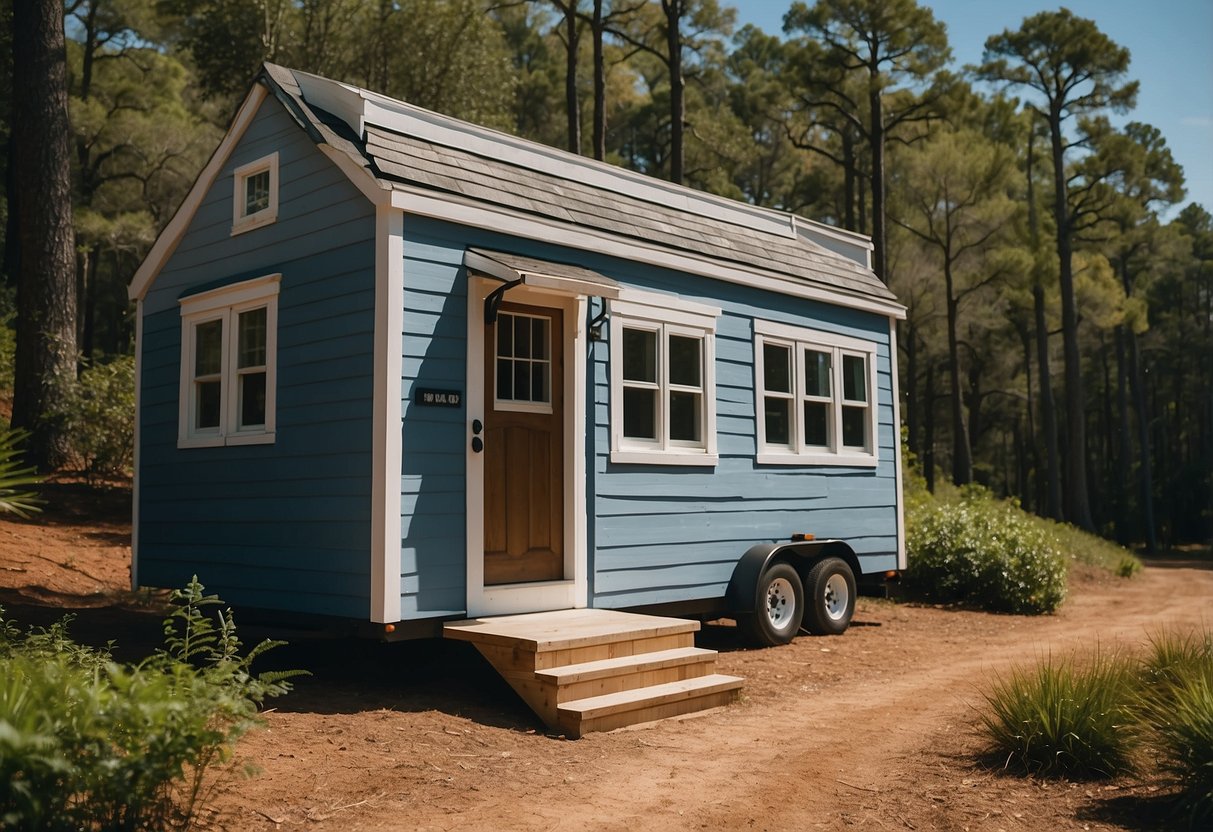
(524, 469)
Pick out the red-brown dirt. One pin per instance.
(873, 729)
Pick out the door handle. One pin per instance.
(477, 444)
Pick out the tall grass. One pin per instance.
(1065, 716)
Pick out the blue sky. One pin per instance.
(1171, 43)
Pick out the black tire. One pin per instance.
(778, 609)
(830, 584)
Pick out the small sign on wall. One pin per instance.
(429, 397)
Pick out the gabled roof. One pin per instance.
(394, 151)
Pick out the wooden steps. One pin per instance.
(597, 670)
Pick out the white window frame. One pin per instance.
(243, 221)
(665, 315)
(512, 404)
(225, 304)
(799, 339)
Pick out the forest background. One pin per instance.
(1058, 347)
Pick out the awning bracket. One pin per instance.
(493, 302)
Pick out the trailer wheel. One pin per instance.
(780, 607)
(831, 587)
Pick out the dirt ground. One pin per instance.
(874, 729)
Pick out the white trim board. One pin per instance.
(462, 211)
(166, 242)
(902, 556)
(387, 444)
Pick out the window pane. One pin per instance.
(639, 413)
(505, 379)
(252, 338)
(539, 333)
(252, 400)
(816, 424)
(778, 416)
(684, 360)
(776, 368)
(854, 379)
(257, 192)
(685, 409)
(816, 373)
(208, 404)
(505, 335)
(539, 382)
(639, 355)
(522, 337)
(854, 430)
(522, 381)
(208, 349)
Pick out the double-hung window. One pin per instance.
(663, 381)
(255, 194)
(228, 365)
(815, 397)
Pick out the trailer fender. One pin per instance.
(742, 593)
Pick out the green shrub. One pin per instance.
(1176, 706)
(984, 552)
(99, 417)
(1091, 549)
(88, 743)
(16, 478)
(1066, 717)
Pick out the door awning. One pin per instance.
(515, 270)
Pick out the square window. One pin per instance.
(255, 194)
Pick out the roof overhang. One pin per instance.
(540, 274)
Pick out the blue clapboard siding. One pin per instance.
(282, 526)
(656, 533)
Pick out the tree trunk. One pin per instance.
(1124, 436)
(597, 28)
(45, 365)
(962, 460)
(912, 389)
(848, 181)
(880, 256)
(1048, 409)
(572, 48)
(674, 10)
(928, 453)
(1145, 470)
(1078, 509)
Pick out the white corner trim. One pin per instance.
(902, 555)
(387, 442)
(241, 220)
(463, 211)
(168, 239)
(138, 436)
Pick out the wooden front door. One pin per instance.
(524, 446)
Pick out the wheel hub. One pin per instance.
(781, 603)
(836, 597)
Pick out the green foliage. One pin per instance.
(984, 552)
(100, 417)
(88, 743)
(1066, 717)
(15, 477)
(1090, 549)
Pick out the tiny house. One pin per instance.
(400, 369)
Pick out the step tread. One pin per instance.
(628, 700)
(565, 629)
(638, 663)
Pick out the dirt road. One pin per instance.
(870, 730)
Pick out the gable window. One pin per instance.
(228, 366)
(663, 381)
(255, 194)
(814, 396)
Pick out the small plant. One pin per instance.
(88, 743)
(1065, 716)
(99, 417)
(16, 478)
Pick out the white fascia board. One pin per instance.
(342, 100)
(167, 242)
(479, 215)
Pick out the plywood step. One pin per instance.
(629, 707)
(565, 629)
(640, 663)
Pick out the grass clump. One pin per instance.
(89, 743)
(1065, 716)
(985, 552)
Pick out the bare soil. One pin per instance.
(873, 729)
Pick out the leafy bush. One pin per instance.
(1065, 716)
(984, 552)
(99, 417)
(15, 478)
(87, 743)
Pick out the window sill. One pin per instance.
(835, 460)
(254, 221)
(638, 457)
(221, 441)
